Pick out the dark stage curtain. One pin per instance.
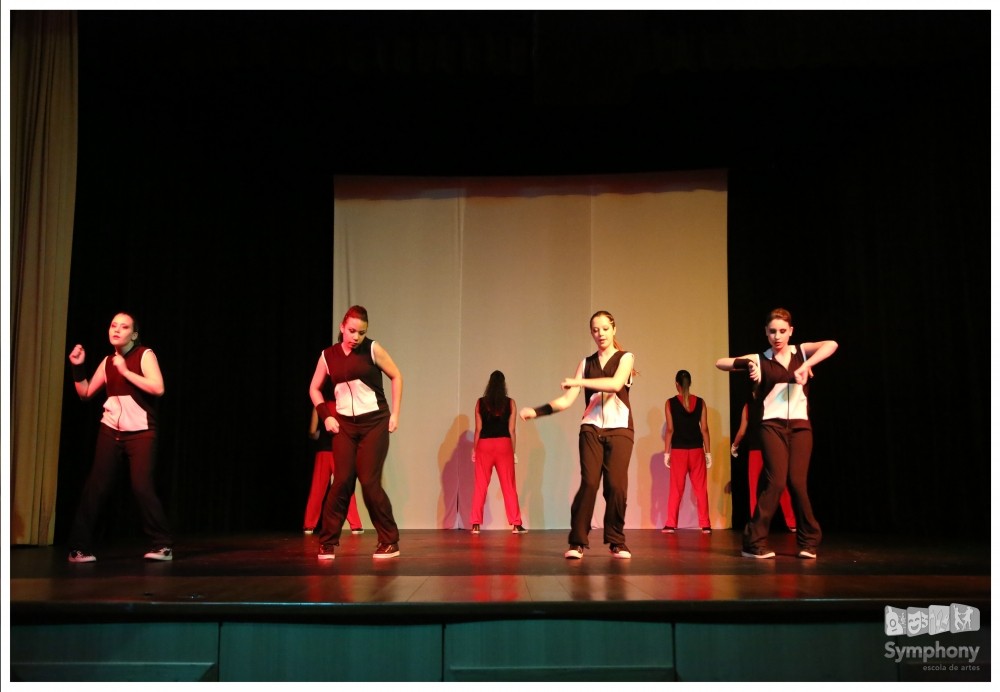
(858, 152)
(200, 207)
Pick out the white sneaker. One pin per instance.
(161, 554)
(575, 552)
(620, 551)
(758, 553)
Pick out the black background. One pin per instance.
(858, 151)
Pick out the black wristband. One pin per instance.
(323, 412)
(79, 373)
(741, 364)
(544, 410)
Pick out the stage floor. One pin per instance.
(451, 575)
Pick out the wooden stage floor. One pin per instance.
(450, 575)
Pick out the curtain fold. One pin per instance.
(43, 156)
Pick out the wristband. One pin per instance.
(79, 373)
(741, 364)
(323, 412)
(544, 410)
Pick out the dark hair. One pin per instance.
(355, 311)
(779, 314)
(495, 394)
(683, 378)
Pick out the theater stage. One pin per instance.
(496, 606)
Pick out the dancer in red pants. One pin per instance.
(493, 447)
(687, 452)
(755, 464)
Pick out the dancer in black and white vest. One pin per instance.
(134, 384)
(782, 375)
(606, 436)
(360, 420)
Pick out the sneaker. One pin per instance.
(706, 529)
(81, 556)
(357, 531)
(575, 552)
(326, 552)
(759, 553)
(668, 529)
(808, 553)
(386, 550)
(162, 554)
(475, 528)
(620, 551)
(518, 529)
(791, 529)
(307, 532)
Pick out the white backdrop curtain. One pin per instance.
(462, 277)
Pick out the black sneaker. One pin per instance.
(326, 551)
(386, 550)
(81, 556)
(575, 552)
(518, 529)
(620, 551)
(808, 553)
(668, 529)
(162, 554)
(759, 553)
(706, 529)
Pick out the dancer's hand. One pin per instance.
(118, 363)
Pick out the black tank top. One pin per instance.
(494, 425)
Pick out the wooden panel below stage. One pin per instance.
(491, 607)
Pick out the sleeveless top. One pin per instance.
(128, 408)
(357, 381)
(494, 425)
(687, 424)
(607, 410)
(779, 397)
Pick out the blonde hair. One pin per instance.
(614, 340)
